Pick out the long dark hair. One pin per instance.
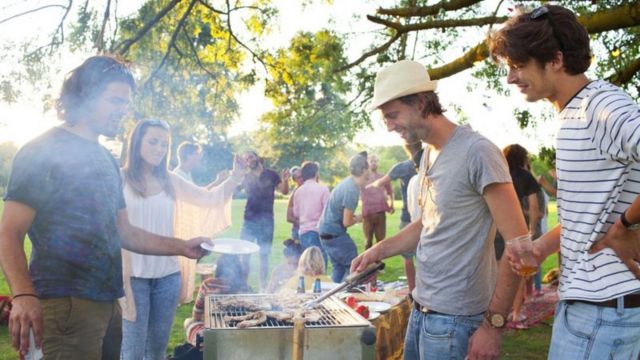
(134, 164)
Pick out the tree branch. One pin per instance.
(172, 41)
(623, 16)
(427, 10)
(195, 54)
(235, 38)
(105, 18)
(624, 75)
(438, 24)
(211, 8)
(123, 47)
(31, 11)
(371, 52)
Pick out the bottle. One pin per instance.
(316, 286)
(300, 289)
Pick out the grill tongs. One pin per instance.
(351, 281)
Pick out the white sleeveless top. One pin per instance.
(155, 215)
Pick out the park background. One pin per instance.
(291, 79)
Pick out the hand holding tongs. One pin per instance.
(351, 281)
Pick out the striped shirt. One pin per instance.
(598, 178)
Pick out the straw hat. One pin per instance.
(403, 78)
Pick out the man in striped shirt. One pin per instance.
(547, 52)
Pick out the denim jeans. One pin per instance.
(260, 231)
(312, 238)
(584, 331)
(341, 250)
(156, 303)
(439, 336)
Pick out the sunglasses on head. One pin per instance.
(542, 13)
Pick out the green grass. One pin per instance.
(530, 344)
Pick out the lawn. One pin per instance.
(527, 344)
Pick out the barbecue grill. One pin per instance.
(340, 333)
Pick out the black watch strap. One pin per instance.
(624, 221)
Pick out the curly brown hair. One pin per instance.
(540, 35)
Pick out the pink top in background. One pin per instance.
(374, 200)
(308, 203)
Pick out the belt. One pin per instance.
(630, 301)
(423, 309)
(326, 236)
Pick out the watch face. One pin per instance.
(497, 320)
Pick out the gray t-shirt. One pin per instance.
(456, 264)
(343, 196)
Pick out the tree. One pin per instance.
(312, 116)
(463, 24)
(187, 54)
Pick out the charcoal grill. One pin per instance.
(341, 333)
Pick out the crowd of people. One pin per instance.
(117, 244)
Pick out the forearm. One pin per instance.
(13, 261)
(549, 242)
(144, 242)
(406, 240)
(632, 213)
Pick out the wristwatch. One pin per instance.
(627, 223)
(496, 320)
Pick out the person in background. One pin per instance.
(228, 279)
(189, 159)
(376, 202)
(152, 195)
(310, 200)
(550, 187)
(281, 273)
(547, 52)
(339, 214)
(404, 171)
(260, 185)
(465, 192)
(296, 175)
(527, 190)
(65, 191)
(311, 267)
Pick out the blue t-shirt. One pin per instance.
(344, 196)
(260, 194)
(74, 186)
(404, 171)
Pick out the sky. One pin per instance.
(486, 112)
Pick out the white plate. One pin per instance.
(373, 315)
(231, 246)
(376, 306)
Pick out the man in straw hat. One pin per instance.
(464, 187)
(598, 165)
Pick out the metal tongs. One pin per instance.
(351, 281)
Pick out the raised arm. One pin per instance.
(27, 311)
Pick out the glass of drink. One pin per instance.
(523, 247)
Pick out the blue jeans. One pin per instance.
(312, 238)
(439, 336)
(156, 303)
(584, 331)
(260, 231)
(341, 250)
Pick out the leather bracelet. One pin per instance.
(25, 294)
(624, 221)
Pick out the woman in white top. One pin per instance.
(165, 204)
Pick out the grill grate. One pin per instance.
(334, 313)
